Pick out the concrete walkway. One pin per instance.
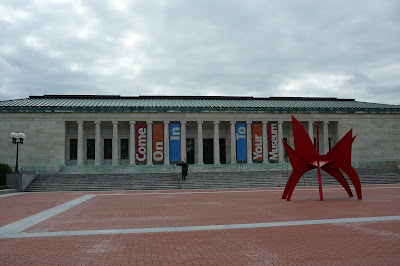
(210, 227)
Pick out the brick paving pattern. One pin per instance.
(352, 243)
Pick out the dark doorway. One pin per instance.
(222, 151)
(190, 151)
(208, 151)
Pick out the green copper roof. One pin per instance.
(113, 103)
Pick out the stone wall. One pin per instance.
(377, 141)
(43, 145)
(46, 144)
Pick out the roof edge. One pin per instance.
(60, 96)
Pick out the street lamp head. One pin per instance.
(21, 135)
(17, 138)
(14, 137)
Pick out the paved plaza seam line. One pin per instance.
(13, 229)
(277, 189)
(207, 227)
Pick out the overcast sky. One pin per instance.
(344, 49)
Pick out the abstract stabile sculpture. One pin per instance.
(305, 158)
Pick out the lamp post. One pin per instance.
(17, 138)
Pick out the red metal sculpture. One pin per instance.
(305, 158)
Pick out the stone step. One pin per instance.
(210, 180)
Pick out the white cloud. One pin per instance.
(258, 48)
(317, 84)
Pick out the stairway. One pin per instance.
(195, 180)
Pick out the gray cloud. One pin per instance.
(286, 48)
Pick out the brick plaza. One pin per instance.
(202, 227)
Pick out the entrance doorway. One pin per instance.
(222, 151)
(208, 151)
(190, 151)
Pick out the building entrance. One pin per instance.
(190, 151)
(208, 151)
(222, 151)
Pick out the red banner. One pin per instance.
(257, 143)
(141, 144)
(158, 143)
(273, 142)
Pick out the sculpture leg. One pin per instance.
(352, 174)
(295, 180)
(340, 178)
(285, 192)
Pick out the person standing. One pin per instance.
(185, 168)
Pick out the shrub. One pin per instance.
(4, 170)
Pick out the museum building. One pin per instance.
(97, 130)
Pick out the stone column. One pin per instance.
(249, 144)
(166, 142)
(265, 141)
(115, 157)
(280, 145)
(97, 156)
(132, 143)
(233, 142)
(216, 143)
(79, 158)
(311, 130)
(149, 142)
(326, 137)
(183, 141)
(200, 142)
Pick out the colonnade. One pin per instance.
(183, 150)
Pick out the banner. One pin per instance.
(158, 143)
(141, 144)
(241, 142)
(175, 142)
(273, 142)
(256, 130)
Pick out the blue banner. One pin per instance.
(175, 142)
(241, 142)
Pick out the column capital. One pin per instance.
(232, 122)
(97, 122)
(216, 122)
(280, 122)
(200, 122)
(80, 122)
(183, 122)
(326, 122)
(264, 122)
(114, 122)
(166, 122)
(132, 122)
(249, 122)
(149, 122)
(311, 122)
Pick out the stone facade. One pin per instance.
(48, 135)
